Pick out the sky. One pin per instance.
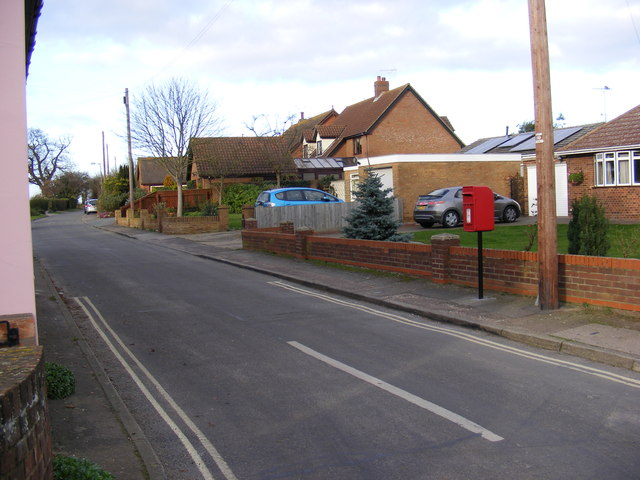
(468, 59)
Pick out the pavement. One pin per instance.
(95, 424)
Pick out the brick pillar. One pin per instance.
(223, 215)
(302, 234)
(250, 223)
(287, 227)
(248, 211)
(440, 256)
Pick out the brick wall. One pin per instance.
(175, 225)
(25, 432)
(612, 282)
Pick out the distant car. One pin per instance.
(281, 197)
(90, 206)
(444, 206)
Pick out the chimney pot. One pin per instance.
(380, 86)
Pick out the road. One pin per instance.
(238, 375)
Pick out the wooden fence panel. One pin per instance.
(325, 217)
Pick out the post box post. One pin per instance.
(478, 216)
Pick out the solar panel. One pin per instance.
(558, 136)
(521, 137)
(488, 145)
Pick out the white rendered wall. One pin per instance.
(17, 293)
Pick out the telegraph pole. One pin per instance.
(126, 102)
(547, 222)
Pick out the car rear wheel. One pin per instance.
(450, 219)
(510, 214)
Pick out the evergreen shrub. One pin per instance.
(588, 228)
(372, 218)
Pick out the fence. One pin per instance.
(611, 282)
(190, 198)
(325, 217)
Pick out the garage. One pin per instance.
(562, 193)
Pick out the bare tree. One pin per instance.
(47, 157)
(279, 155)
(163, 120)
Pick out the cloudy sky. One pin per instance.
(469, 59)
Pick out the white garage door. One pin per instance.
(562, 190)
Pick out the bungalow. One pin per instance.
(605, 163)
(523, 144)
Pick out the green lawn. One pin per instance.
(625, 239)
(235, 221)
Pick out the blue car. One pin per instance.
(280, 197)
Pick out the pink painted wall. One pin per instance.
(17, 293)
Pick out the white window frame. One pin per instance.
(613, 169)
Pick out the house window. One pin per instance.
(617, 168)
(357, 146)
(305, 150)
(319, 147)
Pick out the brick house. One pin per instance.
(391, 122)
(609, 159)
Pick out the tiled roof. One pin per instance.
(362, 116)
(150, 172)
(240, 156)
(623, 131)
(330, 131)
(295, 133)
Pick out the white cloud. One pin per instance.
(469, 59)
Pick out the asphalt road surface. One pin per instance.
(237, 375)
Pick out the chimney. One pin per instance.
(380, 86)
(301, 115)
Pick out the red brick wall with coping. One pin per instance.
(612, 282)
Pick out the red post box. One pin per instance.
(477, 209)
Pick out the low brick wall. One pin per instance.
(175, 225)
(612, 282)
(25, 432)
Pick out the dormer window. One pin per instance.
(305, 150)
(319, 147)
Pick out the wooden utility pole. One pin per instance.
(126, 102)
(547, 224)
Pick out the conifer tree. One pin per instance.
(372, 218)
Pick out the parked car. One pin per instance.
(90, 206)
(281, 197)
(444, 206)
